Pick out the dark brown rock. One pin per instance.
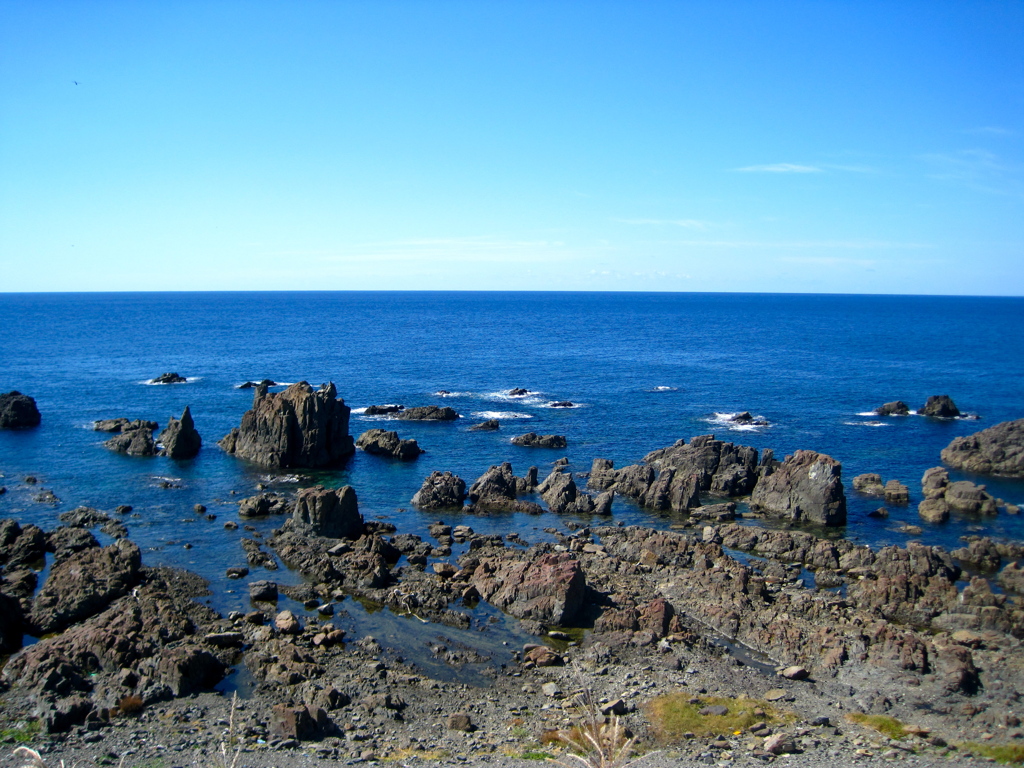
(998, 450)
(18, 411)
(486, 426)
(120, 424)
(384, 443)
(442, 490)
(895, 408)
(299, 427)
(330, 512)
(180, 440)
(939, 406)
(135, 439)
(548, 588)
(168, 378)
(428, 413)
(807, 487)
(533, 440)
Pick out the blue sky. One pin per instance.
(851, 147)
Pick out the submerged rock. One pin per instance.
(998, 450)
(807, 487)
(18, 411)
(180, 439)
(299, 427)
(384, 443)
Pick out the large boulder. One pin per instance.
(721, 468)
(180, 440)
(442, 490)
(940, 406)
(807, 486)
(998, 450)
(330, 512)
(18, 411)
(427, 413)
(384, 443)
(299, 427)
(85, 584)
(497, 489)
(135, 439)
(550, 588)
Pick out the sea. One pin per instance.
(642, 370)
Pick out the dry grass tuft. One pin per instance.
(887, 726)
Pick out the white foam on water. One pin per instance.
(867, 413)
(563, 407)
(453, 394)
(866, 423)
(664, 389)
(726, 420)
(279, 478)
(360, 410)
(502, 415)
(166, 479)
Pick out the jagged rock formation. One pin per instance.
(998, 450)
(895, 408)
(870, 484)
(18, 411)
(563, 497)
(941, 497)
(533, 440)
(299, 427)
(497, 490)
(427, 413)
(121, 424)
(180, 440)
(807, 486)
(442, 490)
(940, 406)
(332, 513)
(263, 504)
(384, 443)
(135, 439)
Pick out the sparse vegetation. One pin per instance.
(887, 726)
(130, 705)
(21, 734)
(1012, 754)
(674, 715)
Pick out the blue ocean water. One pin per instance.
(643, 369)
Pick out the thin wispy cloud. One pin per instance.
(779, 168)
(978, 169)
(686, 223)
(806, 244)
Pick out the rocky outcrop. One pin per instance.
(299, 427)
(486, 426)
(807, 487)
(870, 484)
(254, 384)
(533, 440)
(121, 424)
(895, 408)
(442, 490)
(383, 410)
(135, 439)
(85, 584)
(720, 468)
(941, 497)
(497, 490)
(428, 413)
(563, 497)
(998, 450)
(332, 513)
(180, 440)
(550, 588)
(384, 443)
(18, 411)
(939, 406)
(168, 378)
(263, 504)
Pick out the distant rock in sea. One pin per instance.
(533, 440)
(18, 411)
(895, 408)
(939, 406)
(135, 439)
(254, 384)
(168, 378)
(299, 427)
(486, 426)
(122, 424)
(384, 443)
(180, 440)
(428, 413)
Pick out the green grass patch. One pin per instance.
(887, 726)
(676, 714)
(23, 734)
(1012, 754)
(534, 755)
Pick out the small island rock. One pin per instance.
(168, 378)
(180, 439)
(384, 443)
(533, 440)
(895, 408)
(998, 450)
(18, 411)
(939, 406)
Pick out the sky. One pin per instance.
(824, 146)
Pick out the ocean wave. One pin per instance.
(154, 383)
(279, 478)
(446, 393)
(663, 389)
(501, 415)
(867, 413)
(554, 404)
(723, 419)
(530, 398)
(866, 423)
(360, 410)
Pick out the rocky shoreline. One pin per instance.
(716, 613)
